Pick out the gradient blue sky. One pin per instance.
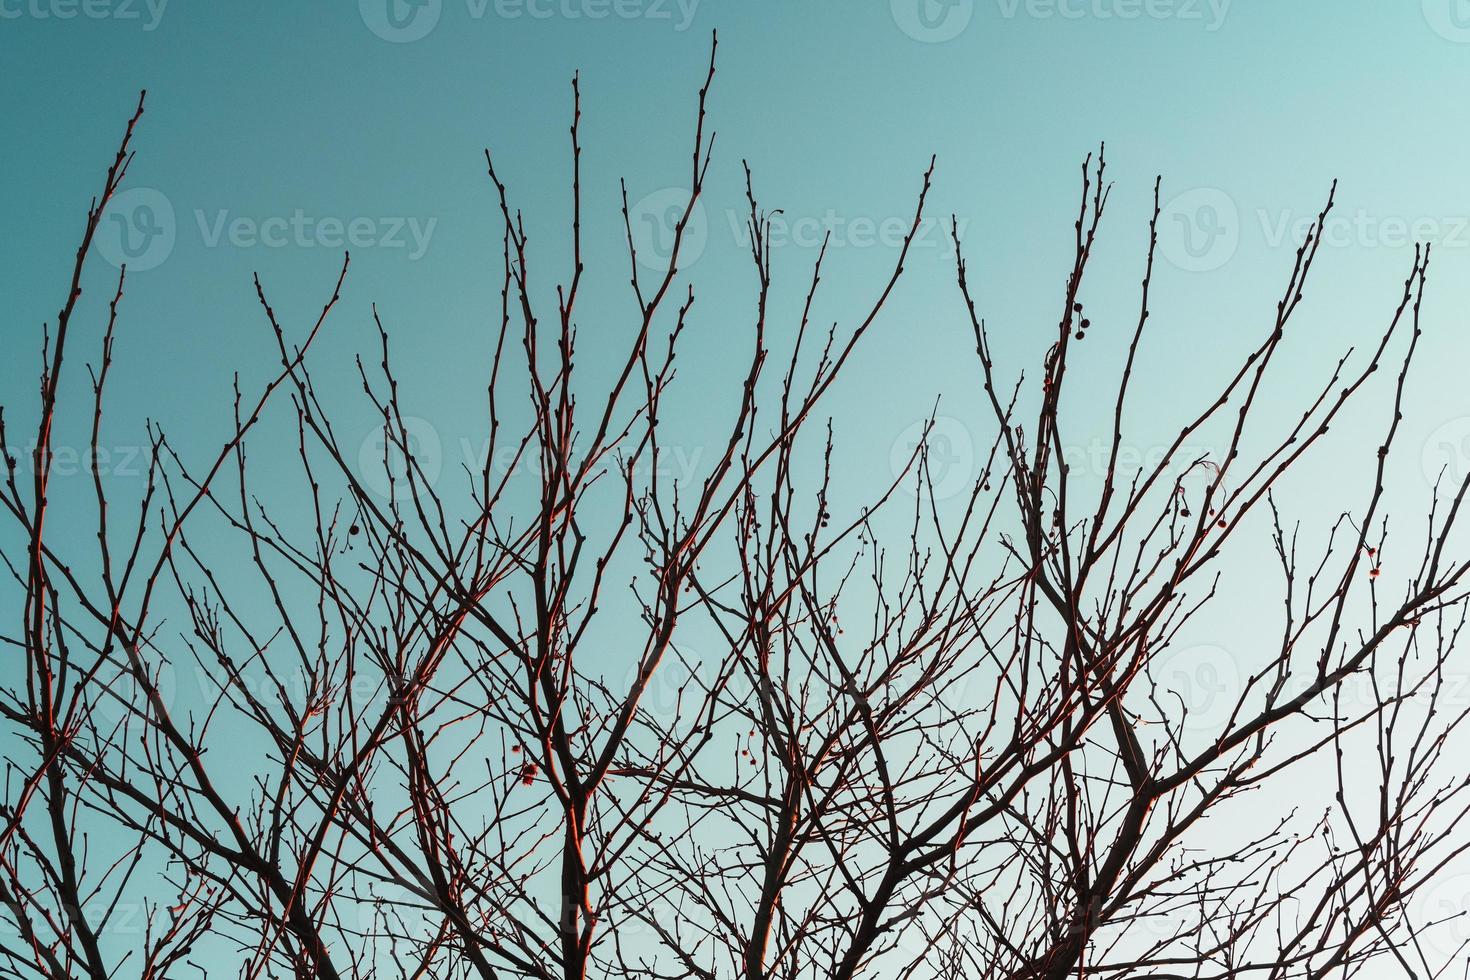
(266, 111)
(269, 114)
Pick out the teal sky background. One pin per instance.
(266, 114)
(263, 111)
(268, 111)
